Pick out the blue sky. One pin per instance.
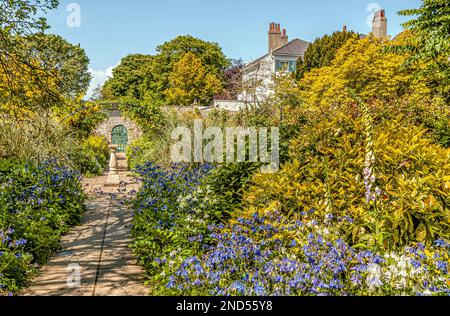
(112, 29)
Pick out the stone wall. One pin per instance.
(115, 119)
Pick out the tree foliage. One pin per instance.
(19, 21)
(144, 76)
(232, 81)
(67, 62)
(428, 41)
(190, 81)
(129, 77)
(37, 71)
(18, 17)
(322, 51)
(431, 28)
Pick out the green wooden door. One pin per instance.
(120, 138)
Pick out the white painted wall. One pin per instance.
(257, 80)
(229, 105)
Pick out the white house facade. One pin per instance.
(282, 57)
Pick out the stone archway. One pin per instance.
(115, 119)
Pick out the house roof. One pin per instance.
(294, 48)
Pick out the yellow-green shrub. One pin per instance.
(326, 173)
(92, 156)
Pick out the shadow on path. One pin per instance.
(95, 259)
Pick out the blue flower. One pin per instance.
(442, 243)
(442, 266)
(416, 264)
(172, 283)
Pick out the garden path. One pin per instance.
(98, 249)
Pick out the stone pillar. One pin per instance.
(113, 179)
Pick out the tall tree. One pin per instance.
(37, 70)
(169, 53)
(18, 20)
(67, 62)
(322, 51)
(190, 81)
(129, 77)
(429, 42)
(44, 71)
(154, 77)
(232, 81)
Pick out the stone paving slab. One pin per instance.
(100, 247)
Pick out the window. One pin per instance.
(292, 66)
(285, 66)
(281, 66)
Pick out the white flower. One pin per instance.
(401, 284)
(374, 278)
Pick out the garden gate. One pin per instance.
(119, 137)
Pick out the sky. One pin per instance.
(111, 29)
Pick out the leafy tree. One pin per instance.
(153, 77)
(233, 81)
(37, 71)
(429, 42)
(18, 20)
(210, 54)
(169, 53)
(45, 72)
(18, 17)
(379, 78)
(361, 65)
(431, 28)
(190, 80)
(67, 62)
(321, 53)
(129, 77)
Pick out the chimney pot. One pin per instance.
(275, 36)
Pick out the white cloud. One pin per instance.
(98, 79)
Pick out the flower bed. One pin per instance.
(188, 251)
(166, 218)
(37, 205)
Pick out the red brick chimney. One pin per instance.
(274, 36)
(379, 26)
(284, 38)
